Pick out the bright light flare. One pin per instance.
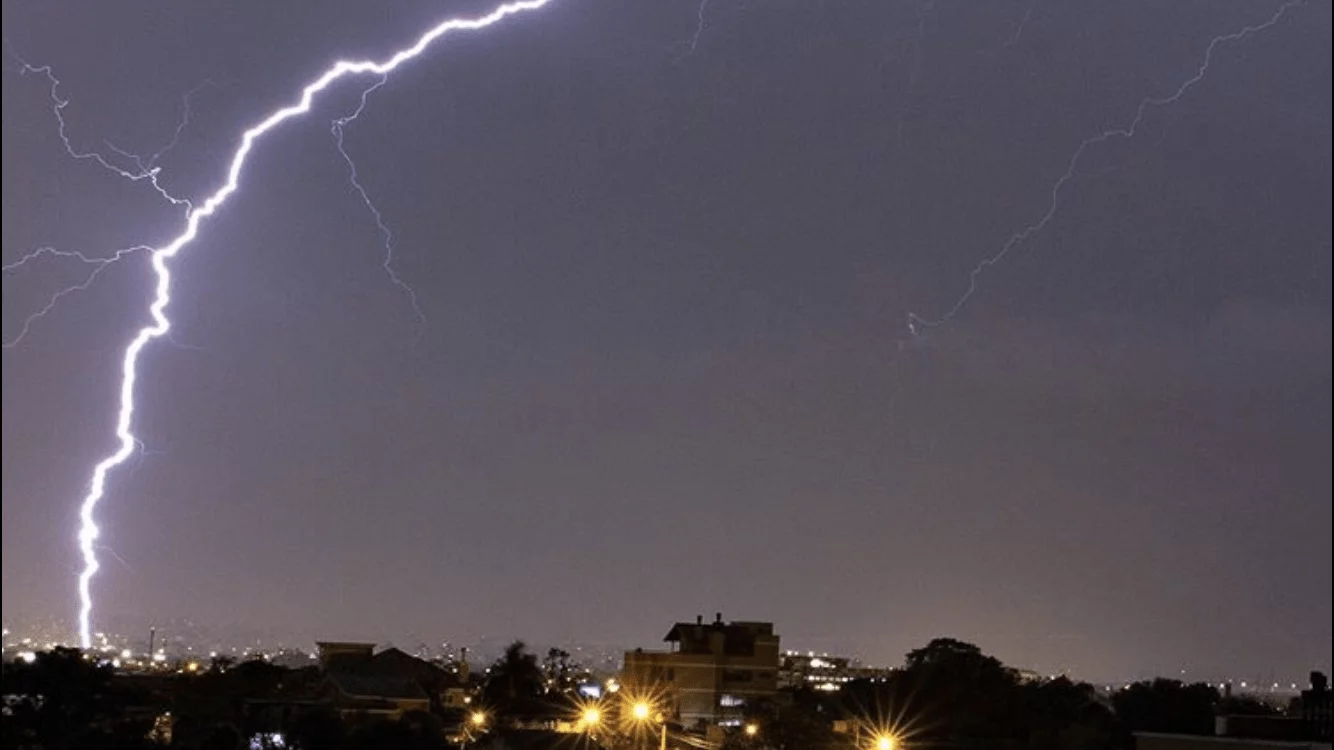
(88, 529)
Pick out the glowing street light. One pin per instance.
(592, 717)
(884, 742)
(752, 730)
(642, 711)
(478, 719)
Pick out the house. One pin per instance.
(712, 672)
(391, 683)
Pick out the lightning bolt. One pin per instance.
(699, 25)
(58, 105)
(386, 233)
(187, 112)
(1023, 24)
(147, 170)
(162, 257)
(98, 265)
(692, 43)
(916, 323)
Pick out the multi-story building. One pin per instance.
(711, 673)
(824, 672)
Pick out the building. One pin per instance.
(1150, 741)
(1318, 709)
(390, 683)
(824, 672)
(1308, 731)
(711, 672)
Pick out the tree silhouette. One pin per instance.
(797, 723)
(63, 701)
(515, 684)
(559, 671)
(1167, 706)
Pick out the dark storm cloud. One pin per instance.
(666, 368)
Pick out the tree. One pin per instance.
(1065, 715)
(1167, 706)
(558, 671)
(514, 684)
(1245, 705)
(798, 724)
(953, 690)
(63, 701)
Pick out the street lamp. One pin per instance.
(478, 719)
(592, 717)
(884, 742)
(752, 730)
(643, 713)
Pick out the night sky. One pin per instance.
(666, 367)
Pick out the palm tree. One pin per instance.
(514, 684)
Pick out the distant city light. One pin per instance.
(270, 741)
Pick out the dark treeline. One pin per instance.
(948, 694)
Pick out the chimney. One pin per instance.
(699, 619)
(718, 618)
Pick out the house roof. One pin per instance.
(370, 685)
(390, 674)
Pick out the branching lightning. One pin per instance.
(187, 112)
(916, 322)
(385, 232)
(98, 265)
(693, 43)
(162, 256)
(146, 170)
(145, 173)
